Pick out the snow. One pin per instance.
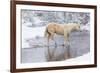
(27, 23)
(37, 21)
(85, 27)
(84, 59)
(31, 32)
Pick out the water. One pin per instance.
(42, 52)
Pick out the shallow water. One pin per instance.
(79, 45)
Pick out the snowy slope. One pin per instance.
(85, 59)
(31, 32)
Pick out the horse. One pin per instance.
(60, 29)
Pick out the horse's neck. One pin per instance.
(73, 29)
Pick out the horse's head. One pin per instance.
(77, 27)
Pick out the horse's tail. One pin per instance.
(46, 32)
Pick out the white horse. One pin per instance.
(61, 29)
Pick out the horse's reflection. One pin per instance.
(57, 53)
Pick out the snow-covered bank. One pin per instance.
(84, 59)
(31, 33)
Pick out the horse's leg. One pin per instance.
(48, 39)
(68, 42)
(66, 38)
(52, 37)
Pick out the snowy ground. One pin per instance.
(34, 49)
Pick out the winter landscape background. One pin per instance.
(34, 43)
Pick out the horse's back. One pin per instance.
(55, 27)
